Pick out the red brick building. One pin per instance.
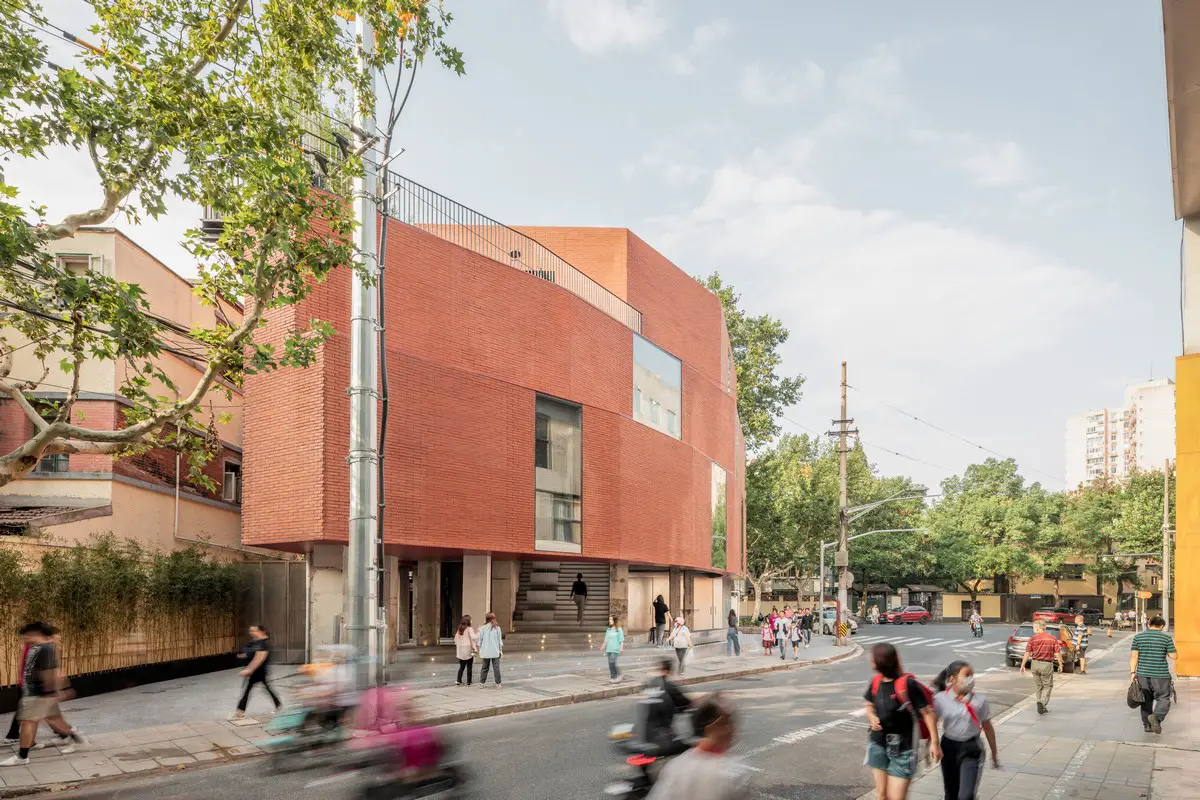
(562, 401)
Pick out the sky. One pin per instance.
(968, 203)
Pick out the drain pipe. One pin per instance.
(178, 458)
(380, 562)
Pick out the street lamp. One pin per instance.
(844, 566)
(846, 515)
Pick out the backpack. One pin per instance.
(901, 684)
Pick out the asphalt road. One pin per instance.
(801, 731)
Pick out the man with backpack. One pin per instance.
(900, 712)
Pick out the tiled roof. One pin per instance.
(14, 516)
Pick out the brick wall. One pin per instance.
(470, 344)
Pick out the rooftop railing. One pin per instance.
(434, 213)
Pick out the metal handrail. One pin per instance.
(407, 201)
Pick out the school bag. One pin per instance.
(901, 684)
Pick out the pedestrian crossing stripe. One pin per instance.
(920, 641)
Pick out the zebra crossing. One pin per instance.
(965, 642)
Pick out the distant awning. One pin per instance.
(920, 587)
(879, 587)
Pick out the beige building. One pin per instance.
(148, 497)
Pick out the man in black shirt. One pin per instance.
(259, 652)
(40, 695)
(579, 595)
(660, 620)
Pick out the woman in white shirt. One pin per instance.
(681, 640)
(966, 718)
(466, 642)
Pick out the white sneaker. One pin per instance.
(66, 748)
(14, 761)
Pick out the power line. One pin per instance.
(872, 446)
(950, 433)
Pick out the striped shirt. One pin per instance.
(1082, 634)
(1152, 647)
(1042, 647)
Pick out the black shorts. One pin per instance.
(1081, 652)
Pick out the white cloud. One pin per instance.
(704, 37)
(987, 162)
(597, 26)
(873, 82)
(758, 87)
(901, 295)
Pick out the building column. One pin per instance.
(618, 592)
(689, 598)
(477, 587)
(326, 588)
(675, 594)
(391, 585)
(1185, 591)
(427, 611)
(505, 577)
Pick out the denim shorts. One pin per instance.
(899, 766)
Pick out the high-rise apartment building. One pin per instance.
(1113, 442)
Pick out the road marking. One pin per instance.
(938, 642)
(802, 734)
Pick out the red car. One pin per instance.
(906, 615)
(1052, 614)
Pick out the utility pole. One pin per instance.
(364, 454)
(1166, 544)
(841, 558)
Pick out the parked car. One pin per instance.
(907, 615)
(1055, 614)
(1091, 616)
(828, 617)
(1015, 648)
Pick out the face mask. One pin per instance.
(965, 685)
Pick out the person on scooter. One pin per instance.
(976, 622)
(706, 772)
(660, 722)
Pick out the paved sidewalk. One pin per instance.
(1091, 745)
(192, 730)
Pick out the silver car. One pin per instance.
(828, 621)
(1015, 648)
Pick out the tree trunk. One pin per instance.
(758, 584)
(1057, 594)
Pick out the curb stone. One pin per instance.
(465, 716)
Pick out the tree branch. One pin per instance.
(226, 29)
(77, 356)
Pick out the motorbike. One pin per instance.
(645, 751)
(297, 734)
(977, 630)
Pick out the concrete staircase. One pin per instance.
(544, 602)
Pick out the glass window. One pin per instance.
(718, 517)
(558, 476)
(54, 462)
(671, 422)
(657, 376)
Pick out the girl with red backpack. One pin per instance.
(900, 711)
(966, 718)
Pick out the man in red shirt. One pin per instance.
(1041, 651)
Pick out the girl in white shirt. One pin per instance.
(466, 642)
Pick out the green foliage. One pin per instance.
(212, 102)
(185, 582)
(762, 394)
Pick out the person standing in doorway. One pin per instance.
(681, 640)
(1148, 665)
(733, 640)
(466, 643)
(614, 645)
(1041, 652)
(660, 620)
(491, 647)
(258, 651)
(579, 595)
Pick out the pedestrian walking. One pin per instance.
(1041, 652)
(466, 644)
(579, 595)
(614, 645)
(681, 640)
(768, 637)
(794, 634)
(491, 648)
(1081, 634)
(1148, 665)
(895, 704)
(966, 718)
(660, 620)
(733, 639)
(258, 651)
(14, 727)
(806, 626)
(781, 632)
(40, 695)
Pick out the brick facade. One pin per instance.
(471, 342)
